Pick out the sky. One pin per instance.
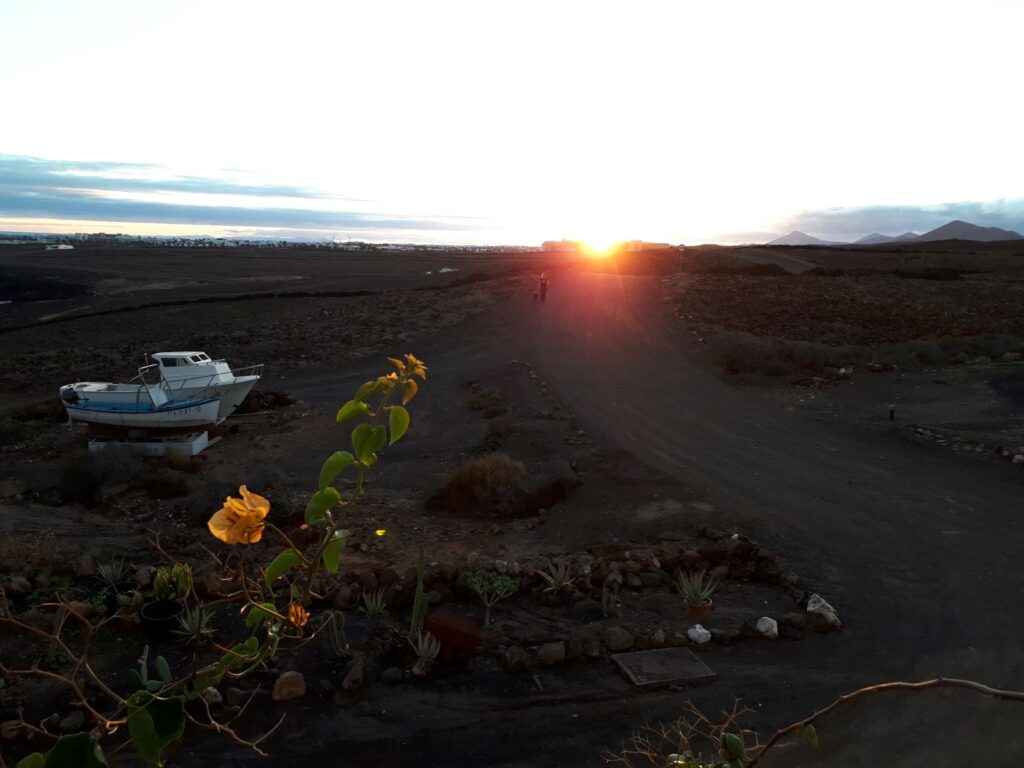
(509, 122)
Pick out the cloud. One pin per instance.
(843, 223)
(33, 173)
(36, 188)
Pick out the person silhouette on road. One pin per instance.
(542, 286)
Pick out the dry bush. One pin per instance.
(28, 553)
(163, 483)
(478, 483)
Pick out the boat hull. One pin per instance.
(190, 414)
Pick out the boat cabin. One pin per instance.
(192, 366)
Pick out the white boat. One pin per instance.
(187, 381)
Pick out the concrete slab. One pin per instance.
(663, 666)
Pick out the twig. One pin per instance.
(938, 682)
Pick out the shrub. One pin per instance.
(478, 482)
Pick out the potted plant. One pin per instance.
(116, 581)
(170, 587)
(128, 607)
(696, 591)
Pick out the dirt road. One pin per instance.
(918, 551)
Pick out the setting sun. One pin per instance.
(598, 249)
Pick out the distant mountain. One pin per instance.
(961, 230)
(875, 238)
(799, 238)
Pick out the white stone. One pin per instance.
(768, 627)
(822, 614)
(1019, 458)
(698, 634)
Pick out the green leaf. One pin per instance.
(350, 410)
(812, 735)
(333, 550)
(399, 423)
(336, 463)
(154, 724)
(79, 750)
(732, 747)
(369, 389)
(367, 440)
(316, 510)
(35, 760)
(259, 613)
(163, 669)
(284, 562)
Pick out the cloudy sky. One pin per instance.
(509, 122)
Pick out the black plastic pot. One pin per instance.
(160, 618)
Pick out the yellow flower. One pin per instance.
(240, 521)
(298, 615)
(416, 367)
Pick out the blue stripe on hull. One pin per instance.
(135, 407)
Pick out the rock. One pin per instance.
(346, 597)
(982, 360)
(86, 566)
(652, 579)
(585, 611)
(632, 581)
(697, 634)
(691, 560)
(391, 675)
(144, 575)
(550, 654)
(962, 359)
(1018, 458)
(515, 659)
(73, 723)
(720, 572)
(795, 620)
(821, 616)
(768, 627)
(725, 636)
(237, 697)
(290, 685)
(617, 639)
(212, 696)
(714, 553)
(19, 585)
(658, 638)
(678, 639)
(354, 679)
(453, 630)
(1012, 357)
(592, 648)
(874, 367)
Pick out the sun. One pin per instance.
(597, 248)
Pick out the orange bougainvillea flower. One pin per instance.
(416, 367)
(240, 521)
(298, 615)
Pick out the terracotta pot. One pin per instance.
(160, 618)
(699, 609)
